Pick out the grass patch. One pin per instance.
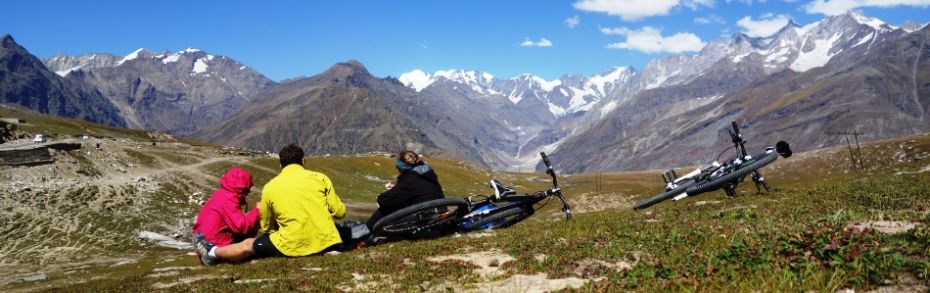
(795, 239)
(65, 127)
(86, 166)
(176, 158)
(143, 159)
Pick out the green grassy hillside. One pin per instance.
(826, 227)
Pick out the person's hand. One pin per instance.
(389, 185)
(258, 204)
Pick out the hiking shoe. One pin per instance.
(203, 247)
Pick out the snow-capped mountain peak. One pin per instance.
(416, 79)
(562, 96)
(796, 47)
(536, 81)
(910, 26)
(801, 48)
(479, 81)
(872, 22)
(63, 64)
(134, 55)
(174, 57)
(198, 62)
(602, 83)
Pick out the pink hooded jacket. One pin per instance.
(221, 220)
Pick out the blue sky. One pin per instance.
(284, 39)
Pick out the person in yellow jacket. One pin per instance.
(297, 210)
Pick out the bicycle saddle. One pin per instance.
(501, 190)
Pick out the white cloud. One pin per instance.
(541, 43)
(709, 19)
(572, 22)
(750, 2)
(650, 40)
(834, 7)
(765, 26)
(695, 4)
(634, 10)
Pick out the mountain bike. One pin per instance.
(715, 175)
(450, 215)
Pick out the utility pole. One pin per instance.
(858, 149)
(854, 156)
(597, 182)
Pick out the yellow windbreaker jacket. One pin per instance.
(297, 208)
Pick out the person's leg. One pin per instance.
(262, 247)
(203, 247)
(377, 215)
(331, 248)
(236, 252)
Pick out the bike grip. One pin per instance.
(735, 127)
(545, 159)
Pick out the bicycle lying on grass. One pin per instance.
(716, 176)
(450, 215)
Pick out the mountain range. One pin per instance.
(844, 72)
(176, 92)
(676, 85)
(26, 82)
(803, 84)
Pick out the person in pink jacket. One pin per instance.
(222, 231)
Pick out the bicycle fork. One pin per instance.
(760, 182)
(730, 189)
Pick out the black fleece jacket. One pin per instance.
(417, 185)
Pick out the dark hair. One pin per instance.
(291, 154)
(402, 156)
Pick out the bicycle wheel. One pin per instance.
(665, 195)
(422, 216)
(502, 219)
(719, 182)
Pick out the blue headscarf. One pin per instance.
(402, 166)
(420, 168)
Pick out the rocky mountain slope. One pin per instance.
(63, 64)
(345, 110)
(879, 90)
(529, 112)
(565, 96)
(341, 111)
(664, 86)
(25, 82)
(178, 92)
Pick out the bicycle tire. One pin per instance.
(394, 224)
(502, 219)
(742, 172)
(665, 195)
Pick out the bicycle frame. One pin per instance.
(490, 205)
(724, 176)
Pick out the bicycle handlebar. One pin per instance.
(545, 158)
(566, 208)
(783, 149)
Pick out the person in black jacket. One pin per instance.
(416, 183)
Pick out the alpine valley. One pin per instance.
(848, 72)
